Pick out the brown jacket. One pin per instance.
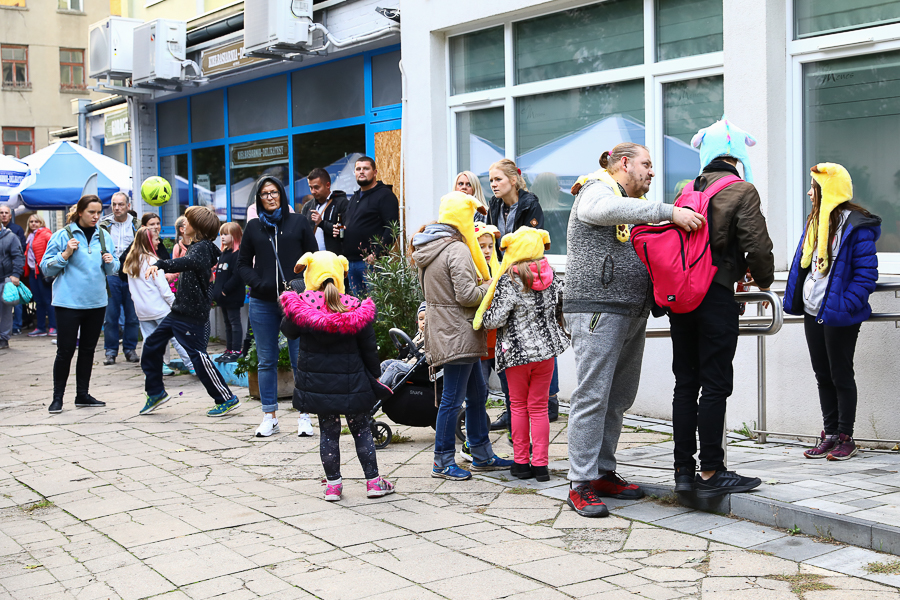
(737, 228)
(448, 278)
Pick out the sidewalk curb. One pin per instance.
(829, 526)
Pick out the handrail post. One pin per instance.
(761, 380)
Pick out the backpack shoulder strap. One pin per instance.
(68, 230)
(720, 184)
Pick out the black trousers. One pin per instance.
(329, 444)
(703, 346)
(234, 331)
(68, 322)
(831, 351)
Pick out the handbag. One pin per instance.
(15, 294)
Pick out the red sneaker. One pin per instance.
(613, 486)
(586, 503)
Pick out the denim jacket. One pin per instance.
(80, 281)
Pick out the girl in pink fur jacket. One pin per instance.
(337, 364)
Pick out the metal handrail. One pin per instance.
(762, 325)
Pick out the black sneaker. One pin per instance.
(87, 401)
(501, 423)
(586, 502)
(132, 356)
(684, 479)
(56, 406)
(521, 471)
(541, 473)
(4, 345)
(724, 482)
(109, 360)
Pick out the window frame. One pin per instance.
(16, 84)
(654, 74)
(844, 44)
(69, 6)
(71, 65)
(17, 143)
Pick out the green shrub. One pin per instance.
(250, 362)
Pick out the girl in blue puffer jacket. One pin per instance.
(833, 273)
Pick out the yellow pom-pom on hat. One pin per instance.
(837, 188)
(319, 267)
(482, 229)
(459, 209)
(525, 243)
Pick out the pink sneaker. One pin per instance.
(379, 487)
(333, 492)
(826, 444)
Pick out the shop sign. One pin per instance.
(263, 153)
(225, 58)
(115, 127)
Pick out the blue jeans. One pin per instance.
(265, 320)
(460, 382)
(43, 298)
(119, 301)
(356, 276)
(17, 316)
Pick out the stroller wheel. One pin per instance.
(461, 424)
(381, 433)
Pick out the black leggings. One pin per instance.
(329, 444)
(234, 331)
(68, 321)
(831, 351)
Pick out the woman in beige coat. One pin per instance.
(453, 291)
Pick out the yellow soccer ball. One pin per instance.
(156, 191)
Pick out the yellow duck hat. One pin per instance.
(318, 267)
(485, 229)
(837, 188)
(459, 209)
(525, 243)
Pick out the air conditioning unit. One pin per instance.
(159, 51)
(111, 44)
(276, 24)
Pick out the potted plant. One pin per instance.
(250, 362)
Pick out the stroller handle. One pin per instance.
(401, 341)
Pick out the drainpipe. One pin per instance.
(79, 107)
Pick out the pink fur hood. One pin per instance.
(307, 309)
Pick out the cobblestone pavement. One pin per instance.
(175, 505)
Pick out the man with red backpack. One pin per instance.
(704, 340)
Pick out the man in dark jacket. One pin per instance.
(704, 340)
(370, 212)
(12, 265)
(271, 245)
(326, 209)
(8, 220)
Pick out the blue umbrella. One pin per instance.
(64, 169)
(15, 175)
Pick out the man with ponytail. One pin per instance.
(607, 300)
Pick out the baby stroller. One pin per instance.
(413, 400)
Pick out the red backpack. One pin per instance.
(680, 262)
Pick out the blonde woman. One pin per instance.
(467, 182)
(37, 236)
(512, 205)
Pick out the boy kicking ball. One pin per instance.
(187, 321)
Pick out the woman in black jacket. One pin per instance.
(228, 291)
(271, 245)
(512, 205)
(337, 367)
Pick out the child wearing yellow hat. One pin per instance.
(524, 304)
(337, 365)
(833, 273)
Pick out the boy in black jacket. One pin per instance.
(187, 321)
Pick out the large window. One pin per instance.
(334, 150)
(688, 106)
(14, 62)
(579, 82)
(851, 116)
(175, 170)
(209, 180)
(71, 69)
(248, 162)
(820, 17)
(18, 141)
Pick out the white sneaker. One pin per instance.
(268, 427)
(304, 427)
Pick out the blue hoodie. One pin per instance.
(80, 281)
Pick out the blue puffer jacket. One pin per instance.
(851, 280)
(80, 281)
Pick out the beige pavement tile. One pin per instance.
(672, 558)
(197, 564)
(484, 585)
(142, 526)
(565, 570)
(569, 519)
(137, 581)
(370, 531)
(408, 593)
(740, 563)
(215, 514)
(661, 539)
(426, 564)
(664, 574)
(516, 552)
(587, 588)
(351, 585)
(656, 592)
